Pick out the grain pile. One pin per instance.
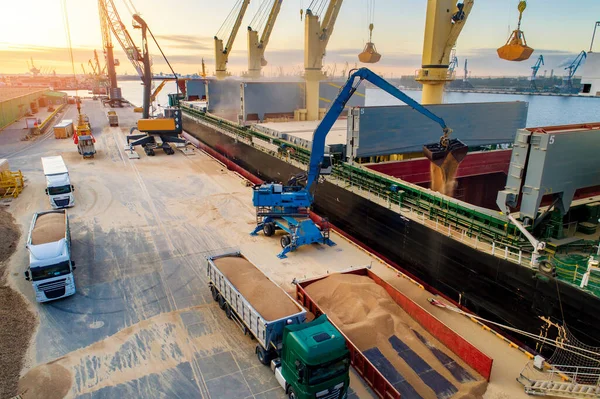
(49, 227)
(48, 381)
(265, 296)
(17, 322)
(366, 313)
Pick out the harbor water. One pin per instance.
(543, 110)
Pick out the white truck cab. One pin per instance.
(58, 183)
(50, 266)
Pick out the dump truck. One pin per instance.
(373, 364)
(309, 359)
(50, 266)
(113, 118)
(58, 183)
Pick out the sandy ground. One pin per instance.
(17, 321)
(142, 321)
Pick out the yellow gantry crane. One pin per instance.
(444, 21)
(232, 25)
(317, 33)
(256, 46)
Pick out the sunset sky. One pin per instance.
(185, 28)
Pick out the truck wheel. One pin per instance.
(228, 311)
(269, 229)
(222, 302)
(291, 394)
(214, 292)
(285, 241)
(263, 355)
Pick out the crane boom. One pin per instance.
(256, 47)
(337, 107)
(278, 206)
(316, 38)
(222, 53)
(113, 21)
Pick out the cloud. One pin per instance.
(188, 42)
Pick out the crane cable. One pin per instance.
(521, 7)
(371, 18)
(563, 345)
(68, 35)
(261, 15)
(229, 22)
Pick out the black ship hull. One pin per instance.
(491, 287)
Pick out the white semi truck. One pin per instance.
(50, 266)
(58, 183)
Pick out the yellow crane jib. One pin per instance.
(256, 45)
(444, 22)
(222, 51)
(516, 48)
(316, 36)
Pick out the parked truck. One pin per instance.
(309, 359)
(383, 379)
(50, 266)
(113, 118)
(58, 183)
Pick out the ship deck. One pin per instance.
(142, 323)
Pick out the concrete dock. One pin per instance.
(143, 323)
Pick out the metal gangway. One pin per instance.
(560, 381)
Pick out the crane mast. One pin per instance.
(444, 21)
(222, 53)
(316, 36)
(256, 47)
(107, 44)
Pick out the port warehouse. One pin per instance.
(16, 102)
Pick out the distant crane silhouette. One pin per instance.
(534, 71)
(571, 69)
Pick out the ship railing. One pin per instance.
(455, 231)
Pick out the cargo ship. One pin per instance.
(462, 248)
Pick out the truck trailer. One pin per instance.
(58, 183)
(309, 359)
(385, 381)
(50, 266)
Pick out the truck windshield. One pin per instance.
(327, 371)
(59, 190)
(44, 272)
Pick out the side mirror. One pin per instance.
(301, 375)
(72, 187)
(73, 264)
(46, 191)
(27, 275)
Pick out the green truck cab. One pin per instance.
(314, 361)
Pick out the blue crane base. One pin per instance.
(299, 232)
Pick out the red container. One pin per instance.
(472, 356)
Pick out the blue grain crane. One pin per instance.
(286, 207)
